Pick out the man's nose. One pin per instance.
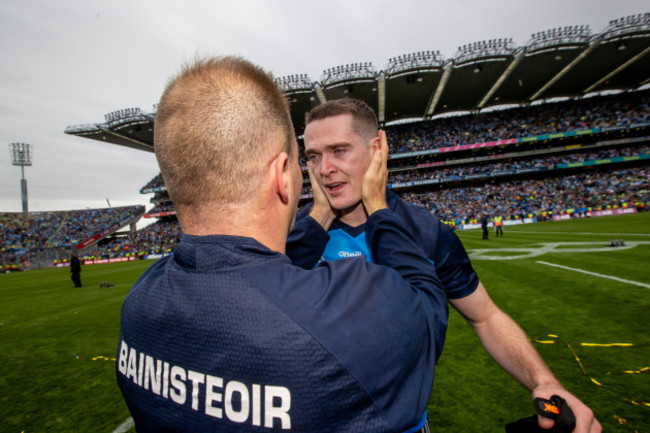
(327, 165)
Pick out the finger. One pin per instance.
(596, 427)
(382, 153)
(312, 178)
(545, 423)
(588, 424)
(376, 163)
(315, 186)
(383, 145)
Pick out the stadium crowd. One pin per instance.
(573, 194)
(156, 182)
(443, 173)
(598, 112)
(20, 239)
(162, 207)
(548, 162)
(157, 238)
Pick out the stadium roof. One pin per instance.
(561, 62)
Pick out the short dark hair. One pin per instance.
(364, 120)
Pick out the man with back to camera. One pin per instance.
(339, 138)
(225, 334)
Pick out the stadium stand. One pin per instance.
(48, 236)
(553, 128)
(593, 113)
(514, 165)
(604, 168)
(574, 195)
(151, 241)
(153, 185)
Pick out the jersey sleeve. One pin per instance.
(384, 321)
(306, 242)
(453, 265)
(394, 246)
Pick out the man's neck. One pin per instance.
(261, 226)
(355, 216)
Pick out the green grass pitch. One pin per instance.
(57, 372)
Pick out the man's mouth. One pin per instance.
(335, 187)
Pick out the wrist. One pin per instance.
(545, 380)
(324, 217)
(373, 206)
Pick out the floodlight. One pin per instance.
(21, 154)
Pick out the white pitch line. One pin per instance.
(636, 283)
(125, 426)
(580, 233)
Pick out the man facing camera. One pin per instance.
(340, 136)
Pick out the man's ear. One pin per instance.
(281, 176)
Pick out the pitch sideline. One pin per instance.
(539, 249)
(622, 280)
(125, 426)
(580, 233)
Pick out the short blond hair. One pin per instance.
(217, 122)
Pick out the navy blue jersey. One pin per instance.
(227, 335)
(308, 244)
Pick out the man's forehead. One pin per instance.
(330, 130)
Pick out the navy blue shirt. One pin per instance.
(308, 244)
(227, 335)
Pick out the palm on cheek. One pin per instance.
(322, 211)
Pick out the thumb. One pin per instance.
(545, 423)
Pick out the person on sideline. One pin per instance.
(226, 334)
(498, 225)
(484, 226)
(75, 270)
(339, 138)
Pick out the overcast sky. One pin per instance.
(70, 62)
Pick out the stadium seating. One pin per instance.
(575, 195)
(155, 239)
(22, 240)
(606, 131)
(598, 112)
(528, 162)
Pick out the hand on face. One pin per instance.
(322, 211)
(373, 188)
